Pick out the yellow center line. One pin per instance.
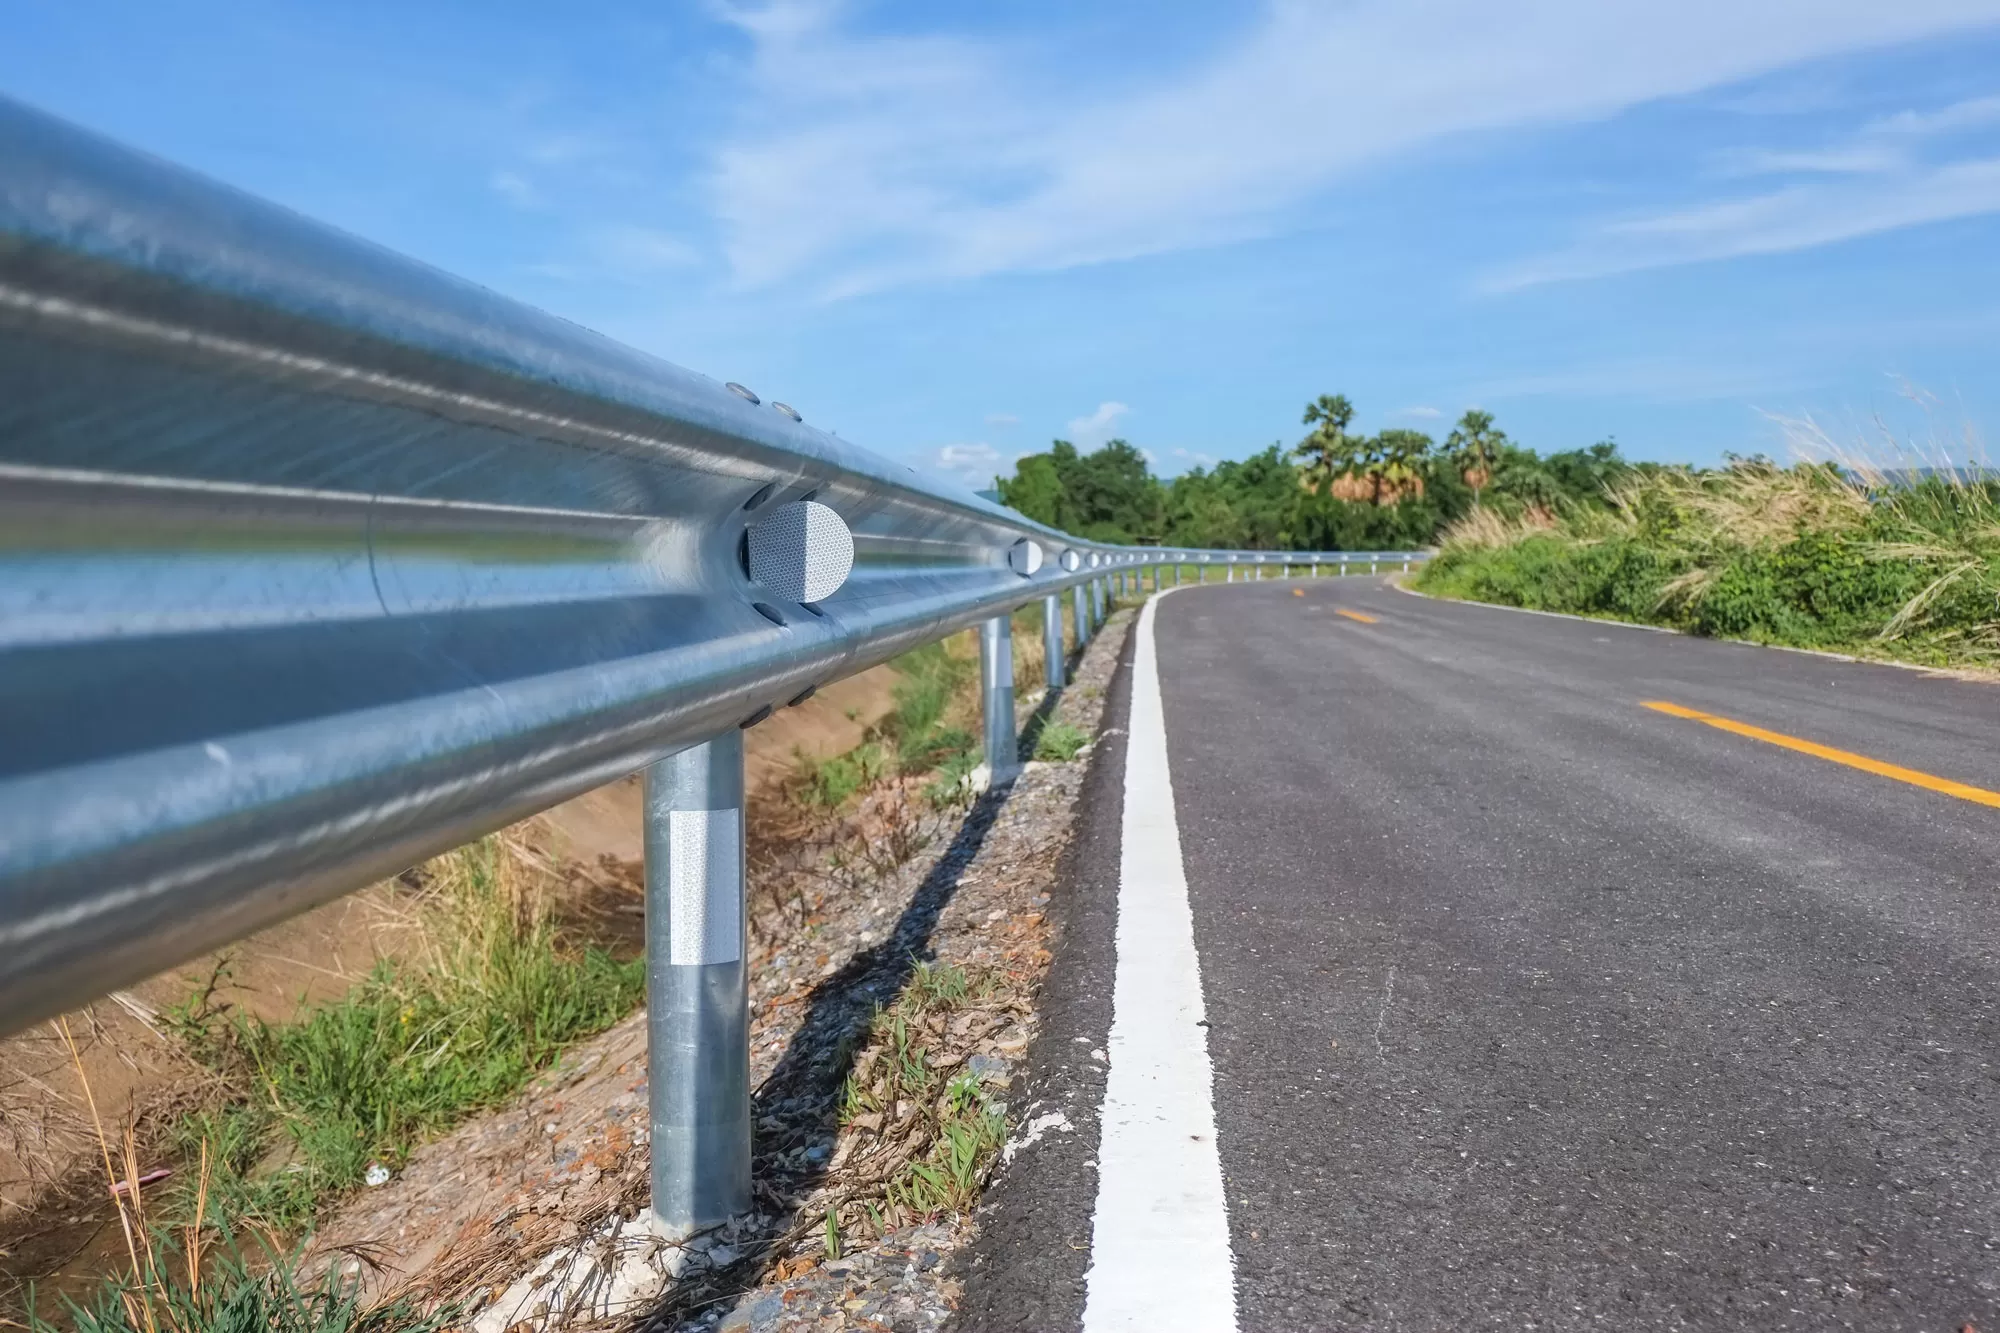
(1861, 761)
(1354, 615)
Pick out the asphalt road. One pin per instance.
(1532, 1007)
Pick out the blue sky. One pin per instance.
(952, 231)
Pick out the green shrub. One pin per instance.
(1804, 556)
(409, 1051)
(1060, 741)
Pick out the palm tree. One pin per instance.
(1395, 467)
(1475, 446)
(1329, 450)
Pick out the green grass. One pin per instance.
(1060, 741)
(414, 1048)
(232, 1293)
(829, 783)
(948, 1176)
(1802, 556)
(958, 1124)
(934, 685)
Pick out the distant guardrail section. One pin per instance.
(315, 561)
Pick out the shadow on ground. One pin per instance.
(796, 1110)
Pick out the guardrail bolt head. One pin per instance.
(1024, 557)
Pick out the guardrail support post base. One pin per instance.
(996, 698)
(1052, 642)
(697, 1001)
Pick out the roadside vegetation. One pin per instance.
(926, 1132)
(1334, 490)
(1814, 555)
(299, 1112)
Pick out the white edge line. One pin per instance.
(1160, 1254)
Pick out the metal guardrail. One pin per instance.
(315, 561)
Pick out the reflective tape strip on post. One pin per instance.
(996, 699)
(697, 999)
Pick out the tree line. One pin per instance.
(1332, 491)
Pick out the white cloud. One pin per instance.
(868, 160)
(1002, 419)
(1968, 114)
(975, 464)
(1875, 180)
(1425, 413)
(1093, 430)
(1195, 458)
(515, 189)
(1883, 145)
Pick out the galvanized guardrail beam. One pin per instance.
(315, 561)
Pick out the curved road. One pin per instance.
(1554, 974)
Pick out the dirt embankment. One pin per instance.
(53, 1213)
(896, 959)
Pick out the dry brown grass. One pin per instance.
(1488, 528)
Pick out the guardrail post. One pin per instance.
(1052, 641)
(996, 698)
(1077, 596)
(697, 1000)
(1096, 602)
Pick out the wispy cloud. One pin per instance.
(1421, 413)
(1002, 419)
(515, 189)
(1662, 379)
(1879, 179)
(975, 464)
(1095, 429)
(631, 249)
(867, 160)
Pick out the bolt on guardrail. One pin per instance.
(417, 563)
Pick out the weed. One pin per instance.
(947, 1128)
(830, 1235)
(953, 784)
(827, 784)
(223, 1291)
(1811, 555)
(410, 1050)
(947, 1178)
(1060, 741)
(930, 676)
